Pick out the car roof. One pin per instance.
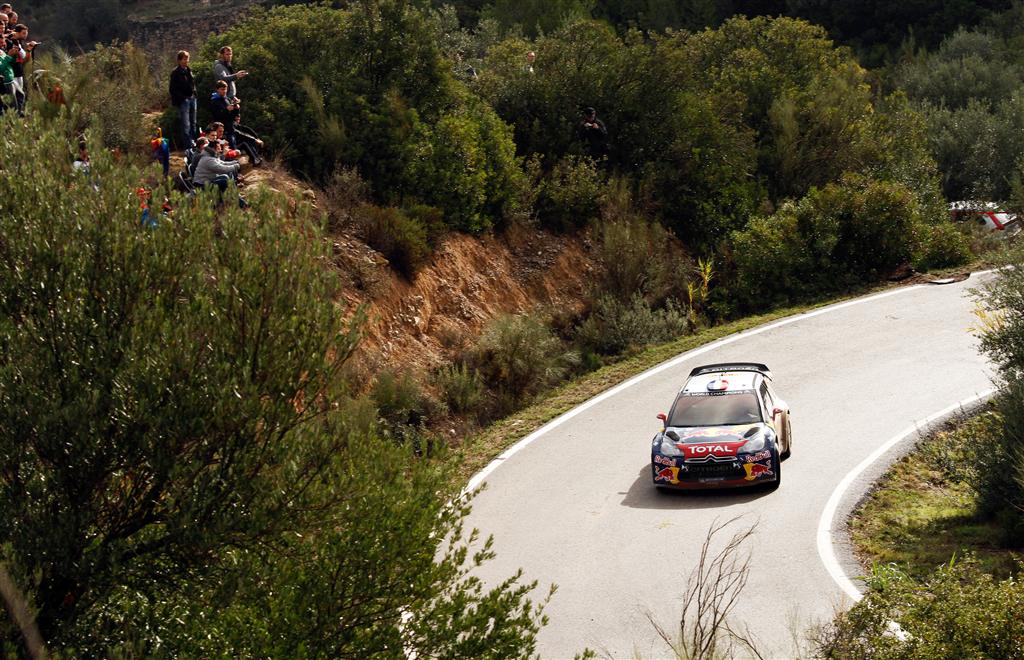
(722, 381)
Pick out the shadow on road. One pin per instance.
(643, 495)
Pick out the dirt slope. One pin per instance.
(469, 281)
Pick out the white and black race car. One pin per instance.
(727, 427)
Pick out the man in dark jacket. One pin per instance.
(183, 97)
(225, 111)
(594, 135)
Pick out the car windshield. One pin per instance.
(715, 410)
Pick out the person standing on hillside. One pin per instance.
(20, 39)
(223, 70)
(6, 75)
(593, 134)
(183, 96)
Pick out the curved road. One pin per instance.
(574, 505)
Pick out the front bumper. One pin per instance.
(738, 471)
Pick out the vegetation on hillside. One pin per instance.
(182, 470)
(186, 465)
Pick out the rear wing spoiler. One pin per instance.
(732, 366)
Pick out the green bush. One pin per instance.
(856, 231)
(108, 90)
(401, 239)
(1000, 455)
(614, 326)
(957, 612)
(570, 196)
(944, 245)
(639, 258)
(374, 94)
(466, 164)
(461, 387)
(517, 357)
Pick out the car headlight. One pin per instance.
(756, 443)
(668, 448)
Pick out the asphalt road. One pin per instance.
(575, 505)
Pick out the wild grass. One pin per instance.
(923, 513)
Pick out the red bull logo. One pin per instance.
(756, 470)
(669, 474)
(662, 460)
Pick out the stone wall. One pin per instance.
(161, 37)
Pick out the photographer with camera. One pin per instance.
(19, 38)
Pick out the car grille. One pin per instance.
(713, 470)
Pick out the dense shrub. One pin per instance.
(999, 455)
(944, 245)
(957, 612)
(518, 356)
(107, 90)
(401, 239)
(639, 258)
(856, 231)
(615, 325)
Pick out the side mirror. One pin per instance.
(664, 419)
(776, 412)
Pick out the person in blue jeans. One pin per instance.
(183, 96)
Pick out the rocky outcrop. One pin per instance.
(163, 35)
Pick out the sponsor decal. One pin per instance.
(669, 474)
(759, 456)
(716, 449)
(757, 470)
(663, 460)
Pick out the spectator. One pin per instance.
(531, 57)
(6, 8)
(19, 38)
(82, 163)
(593, 133)
(223, 70)
(225, 110)
(7, 75)
(212, 170)
(161, 151)
(183, 96)
(215, 131)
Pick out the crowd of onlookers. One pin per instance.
(17, 49)
(211, 155)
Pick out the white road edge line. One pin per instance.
(825, 548)
(479, 477)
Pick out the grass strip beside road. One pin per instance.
(921, 514)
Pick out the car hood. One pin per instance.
(715, 441)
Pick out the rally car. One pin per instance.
(727, 427)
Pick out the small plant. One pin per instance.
(461, 387)
(517, 357)
(712, 592)
(614, 326)
(402, 240)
